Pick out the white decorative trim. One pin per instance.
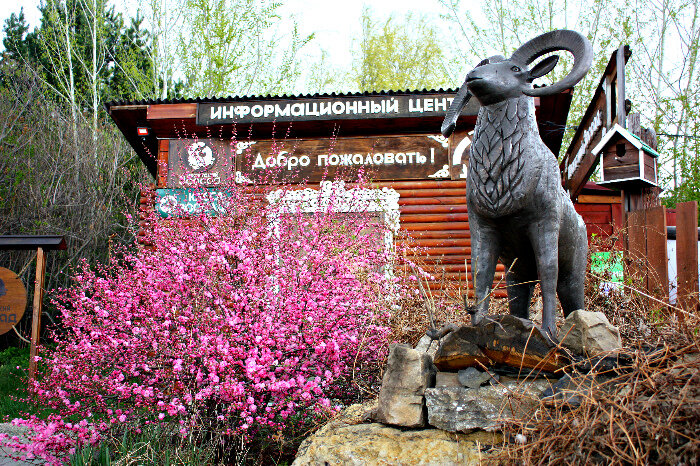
(242, 179)
(333, 195)
(635, 178)
(441, 139)
(243, 145)
(631, 138)
(459, 150)
(463, 175)
(444, 172)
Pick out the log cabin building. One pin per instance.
(394, 137)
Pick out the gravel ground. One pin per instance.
(5, 460)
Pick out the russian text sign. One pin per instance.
(379, 158)
(340, 108)
(213, 162)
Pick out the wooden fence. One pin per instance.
(646, 256)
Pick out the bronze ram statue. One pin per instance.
(518, 209)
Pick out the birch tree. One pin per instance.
(92, 63)
(238, 47)
(57, 40)
(165, 20)
(666, 70)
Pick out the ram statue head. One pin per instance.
(497, 78)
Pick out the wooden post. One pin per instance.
(657, 254)
(621, 62)
(163, 147)
(687, 255)
(36, 316)
(636, 249)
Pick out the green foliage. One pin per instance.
(233, 47)
(688, 186)
(131, 73)
(13, 384)
(74, 45)
(13, 357)
(399, 54)
(15, 43)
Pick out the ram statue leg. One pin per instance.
(573, 258)
(520, 291)
(485, 250)
(544, 237)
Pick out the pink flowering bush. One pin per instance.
(249, 325)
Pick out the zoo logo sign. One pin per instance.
(13, 300)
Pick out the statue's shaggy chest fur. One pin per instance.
(497, 175)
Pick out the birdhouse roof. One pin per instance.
(633, 139)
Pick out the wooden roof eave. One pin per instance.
(627, 135)
(178, 119)
(128, 118)
(28, 242)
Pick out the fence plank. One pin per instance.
(635, 255)
(657, 255)
(687, 254)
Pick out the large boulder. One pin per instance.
(472, 377)
(427, 345)
(589, 333)
(461, 409)
(502, 339)
(460, 349)
(408, 373)
(346, 440)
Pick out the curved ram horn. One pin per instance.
(561, 39)
(460, 100)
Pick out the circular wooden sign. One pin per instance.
(13, 300)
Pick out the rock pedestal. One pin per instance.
(506, 340)
(408, 373)
(461, 409)
(589, 333)
(346, 440)
(427, 345)
(466, 400)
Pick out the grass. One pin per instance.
(13, 383)
(154, 445)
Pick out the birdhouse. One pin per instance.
(625, 160)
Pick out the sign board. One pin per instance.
(13, 300)
(171, 202)
(340, 108)
(199, 162)
(214, 162)
(607, 263)
(606, 108)
(313, 160)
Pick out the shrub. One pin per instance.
(248, 325)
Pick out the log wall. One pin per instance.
(435, 233)
(434, 229)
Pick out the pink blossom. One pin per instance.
(217, 319)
